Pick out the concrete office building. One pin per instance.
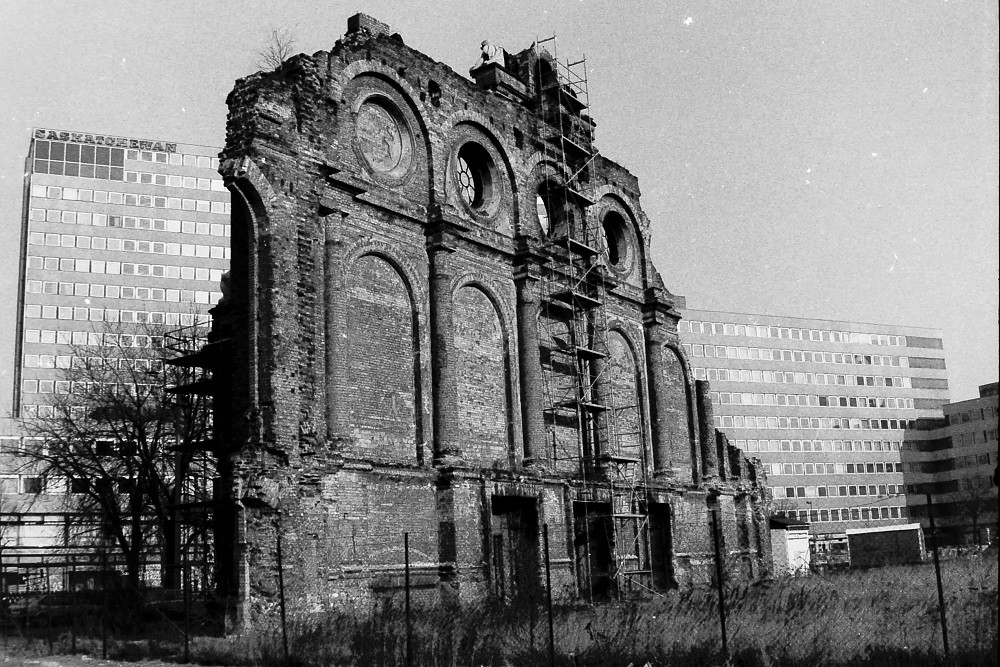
(117, 233)
(955, 460)
(826, 406)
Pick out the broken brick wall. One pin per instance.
(390, 331)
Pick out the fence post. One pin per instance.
(72, 588)
(937, 572)
(531, 618)
(548, 593)
(714, 512)
(104, 619)
(187, 604)
(49, 633)
(281, 599)
(406, 582)
(4, 603)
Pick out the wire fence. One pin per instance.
(910, 614)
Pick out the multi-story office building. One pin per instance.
(119, 236)
(954, 459)
(826, 406)
(116, 230)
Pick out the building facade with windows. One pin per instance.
(954, 459)
(825, 405)
(120, 236)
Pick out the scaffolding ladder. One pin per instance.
(582, 416)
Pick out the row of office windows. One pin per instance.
(846, 514)
(127, 291)
(801, 356)
(974, 460)
(51, 485)
(974, 437)
(74, 152)
(73, 361)
(790, 333)
(127, 245)
(100, 266)
(27, 445)
(810, 400)
(32, 411)
(769, 423)
(967, 483)
(981, 482)
(81, 314)
(819, 445)
(100, 339)
(130, 199)
(172, 181)
(33, 386)
(866, 468)
(976, 414)
(956, 463)
(785, 377)
(176, 159)
(128, 222)
(837, 491)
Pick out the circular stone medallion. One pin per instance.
(379, 137)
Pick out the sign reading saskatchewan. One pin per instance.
(105, 140)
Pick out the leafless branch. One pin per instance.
(280, 46)
(117, 437)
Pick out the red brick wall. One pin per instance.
(679, 429)
(381, 378)
(627, 436)
(483, 411)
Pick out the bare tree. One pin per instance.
(280, 46)
(975, 504)
(126, 447)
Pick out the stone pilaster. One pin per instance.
(710, 461)
(335, 304)
(532, 394)
(654, 319)
(441, 244)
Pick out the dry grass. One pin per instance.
(880, 617)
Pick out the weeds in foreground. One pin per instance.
(884, 617)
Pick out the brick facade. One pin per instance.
(393, 355)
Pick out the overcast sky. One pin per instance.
(830, 159)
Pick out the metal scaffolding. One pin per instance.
(585, 420)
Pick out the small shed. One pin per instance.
(900, 544)
(789, 546)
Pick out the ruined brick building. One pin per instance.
(442, 319)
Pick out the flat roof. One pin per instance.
(883, 529)
(40, 128)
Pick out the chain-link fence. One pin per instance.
(888, 615)
(92, 603)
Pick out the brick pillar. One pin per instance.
(725, 462)
(658, 406)
(444, 376)
(601, 393)
(335, 306)
(654, 327)
(532, 396)
(706, 431)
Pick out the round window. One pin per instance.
(474, 175)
